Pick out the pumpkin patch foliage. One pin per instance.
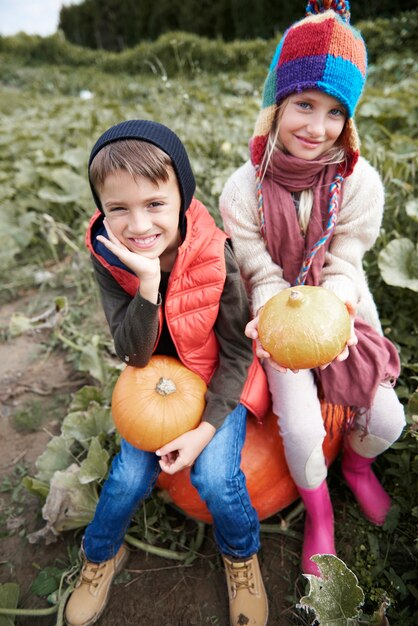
(50, 117)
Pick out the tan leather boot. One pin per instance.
(89, 598)
(247, 595)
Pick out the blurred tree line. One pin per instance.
(119, 24)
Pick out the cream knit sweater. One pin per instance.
(356, 231)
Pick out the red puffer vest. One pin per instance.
(192, 301)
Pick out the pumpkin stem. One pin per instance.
(165, 386)
(295, 297)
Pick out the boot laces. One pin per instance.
(241, 576)
(91, 573)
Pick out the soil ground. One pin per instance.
(159, 591)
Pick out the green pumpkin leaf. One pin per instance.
(26, 175)
(91, 359)
(76, 157)
(51, 195)
(67, 180)
(69, 505)
(56, 456)
(336, 596)
(398, 264)
(95, 465)
(396, 581)
(411, 209)
(84, 396)
(9, 598)
(37, 487)
(47, 581)
(16, 232)
(84, 425)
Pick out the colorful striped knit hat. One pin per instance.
(321, 51)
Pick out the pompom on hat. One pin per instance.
(321, 51)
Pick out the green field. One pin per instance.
(50, 115)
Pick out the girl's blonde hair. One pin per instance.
(335, 155)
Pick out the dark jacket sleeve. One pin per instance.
(133, 322)
(235, 349)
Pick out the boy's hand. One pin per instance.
(147, 270)
(251, 331)
(144, 268)
(184, 450)
(353, 340)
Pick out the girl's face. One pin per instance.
(310, 124)
(143, 215)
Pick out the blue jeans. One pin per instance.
(217, 476)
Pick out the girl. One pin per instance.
(305, 209)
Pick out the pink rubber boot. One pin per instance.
(369, 493)
(319, 526)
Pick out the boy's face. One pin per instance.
(144, 216)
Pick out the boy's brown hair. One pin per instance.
(149, 149)
(139, 158)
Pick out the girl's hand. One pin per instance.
(146, 269)
(352, 341)
(251, 331)
(184, 450)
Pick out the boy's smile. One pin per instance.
(144, 243)
(310, 124)
(143, 215)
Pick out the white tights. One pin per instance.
(301, 426)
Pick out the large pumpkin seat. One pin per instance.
(268, 479)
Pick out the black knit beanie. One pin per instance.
(163, 138)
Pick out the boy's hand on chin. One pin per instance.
(184, 450)
(146, 269)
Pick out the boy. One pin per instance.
(170, 285)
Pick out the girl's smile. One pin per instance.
(310, 123)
